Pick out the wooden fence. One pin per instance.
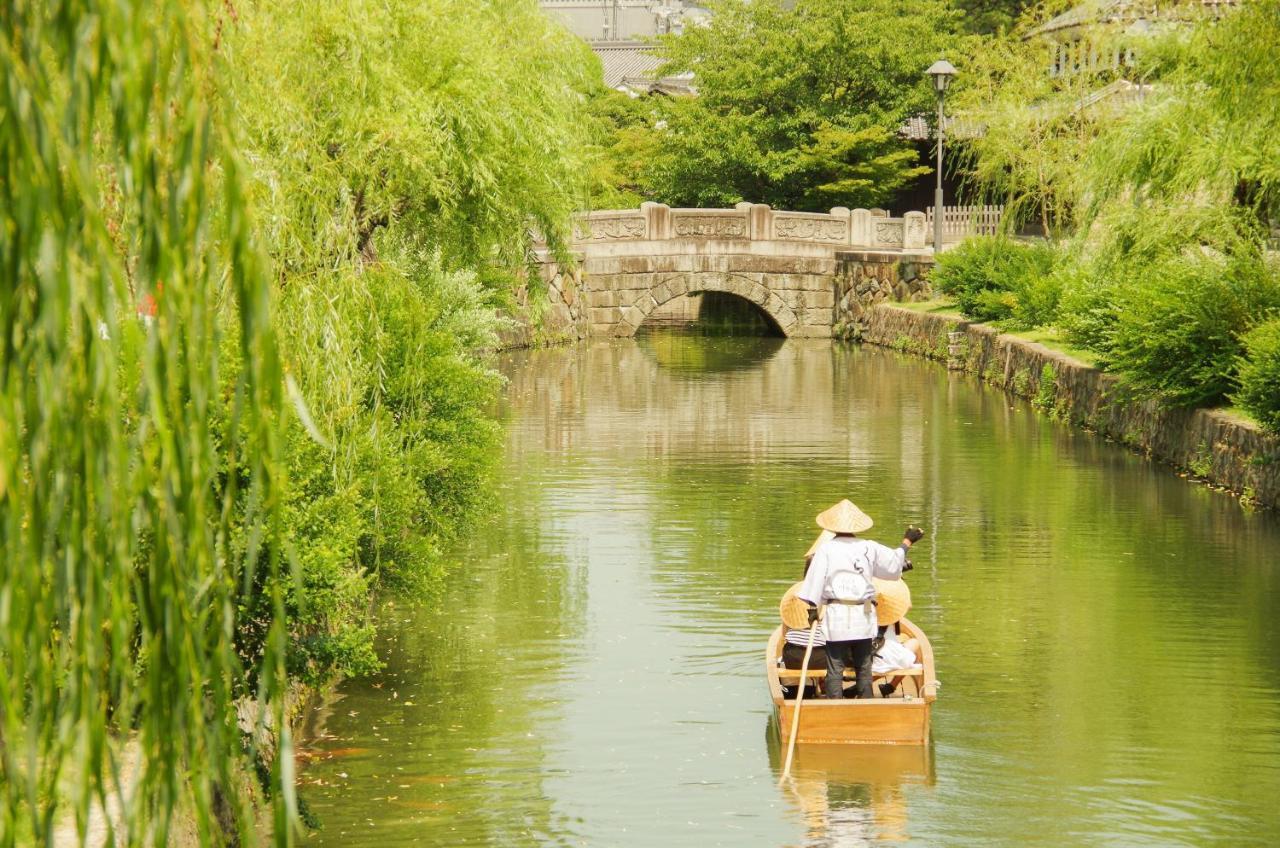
(960, 222)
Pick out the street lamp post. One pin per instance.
(942, 71)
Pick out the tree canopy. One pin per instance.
(403, 152)
(253, 253)
(798, 105)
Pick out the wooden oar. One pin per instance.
(795, 715)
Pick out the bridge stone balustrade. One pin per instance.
(812, 273)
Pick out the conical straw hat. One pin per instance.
(817, 543)
(844, 517)
(794, 612)
(893, 599)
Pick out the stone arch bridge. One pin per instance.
(812, 273)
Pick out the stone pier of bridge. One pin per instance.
(813, 274)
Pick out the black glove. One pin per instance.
(913, 534)
(907, 566)
(813, 615)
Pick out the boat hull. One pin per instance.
(899, 720)
(855, 722)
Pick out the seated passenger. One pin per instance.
(795, 621)
(893, 600)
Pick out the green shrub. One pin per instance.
(996, 279)
(1037, 296)
(1178, 328)
(1259, 374)
(1087, 310)
(386, 359)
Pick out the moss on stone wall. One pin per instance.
(1215, 446)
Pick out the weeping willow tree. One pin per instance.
(402, 152)
(1036, 116)
(1180, 197)
(1165, 196)
(1208, 137)
(139, 396)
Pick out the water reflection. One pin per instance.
(1107, 635)
(682, 352)
(851, 796)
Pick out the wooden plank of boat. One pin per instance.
(902, 719)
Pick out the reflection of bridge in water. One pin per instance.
(810, 273)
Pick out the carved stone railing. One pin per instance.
(840, 228)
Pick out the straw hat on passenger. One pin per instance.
(893, 599)
(844, 517)
(794, 612)
(824, 536)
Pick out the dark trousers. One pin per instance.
(857, 655)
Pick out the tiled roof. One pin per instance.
(629, 66)
(622, 59)
(1122, 11)
(1121, 95)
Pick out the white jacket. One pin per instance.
(841, 570)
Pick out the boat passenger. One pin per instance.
(840, 578)
(796, 637)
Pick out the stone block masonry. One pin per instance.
(813, 274)
(552, 310)
(1215, 446)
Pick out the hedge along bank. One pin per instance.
(1215, 446)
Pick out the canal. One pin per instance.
(1107, 634)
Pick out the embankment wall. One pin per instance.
(552, 311)
(1215, 446)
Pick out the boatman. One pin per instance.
(840, 578)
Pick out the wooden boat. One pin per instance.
(900, 719)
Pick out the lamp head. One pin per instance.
(942, 71)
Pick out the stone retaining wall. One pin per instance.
(865, 278)
(554, 312)
(1214, 446)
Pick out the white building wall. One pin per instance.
(616, 20)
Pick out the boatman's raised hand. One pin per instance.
(913, 534)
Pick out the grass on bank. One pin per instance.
(1052, 338)
(936, 306)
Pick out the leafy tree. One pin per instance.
(1205, 138)
(799, 104)
(401, 186)
(1167, 198)
(140, 393)
(1034, 129)
(624, 143)
(992, 16)
(457, 120)
(1180, 196)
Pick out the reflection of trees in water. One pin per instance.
(1063, 586)
(465, 747)
(685, 353)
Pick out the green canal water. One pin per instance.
(1107, 634)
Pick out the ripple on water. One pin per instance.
(1106, 634)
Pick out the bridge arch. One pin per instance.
(678, 285)
(811, 273)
